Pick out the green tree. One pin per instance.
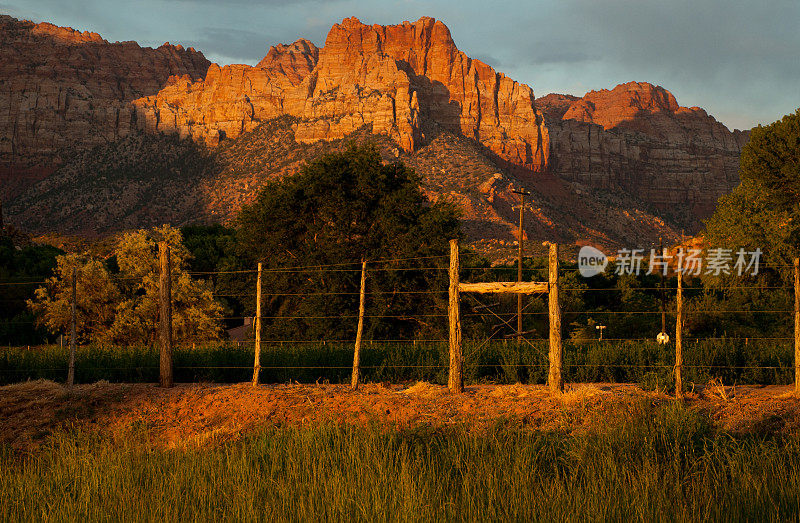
(195, 313)
(764, 210)
(123, 307)
(213, 257)
(340, 209)
(211, 247)
(97, 298)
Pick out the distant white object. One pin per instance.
(662, 338)
(601, 328)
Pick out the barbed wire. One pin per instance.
(353, 293)
(423, 365)
(411, 342)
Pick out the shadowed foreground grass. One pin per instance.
(665, 464)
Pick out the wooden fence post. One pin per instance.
(257, 329)
(679, 339)
(797, 326)
(165, 309)
(456, 377)
(554, 379)
(360, 330)
(73, 328)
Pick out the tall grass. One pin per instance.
(645, 362)
(666, 464)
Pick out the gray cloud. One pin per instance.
(249, 2)
(238, 44)
(558, 52)
(735, 58)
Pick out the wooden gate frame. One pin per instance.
(556, 354)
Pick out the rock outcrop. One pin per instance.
(401, 80)
(230, 100)
(637, 138)
(60, 88)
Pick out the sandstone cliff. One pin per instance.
(230, 100)
(60, 88)
(402, 80)
(637, 138)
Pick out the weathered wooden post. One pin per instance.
(456, 378)
(360, 329)
(165, 309)
(554, 379)
(797, 326)
(257, 329)
(679, 339)
(73, 328)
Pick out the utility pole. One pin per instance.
(522, 195)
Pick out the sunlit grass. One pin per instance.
(665, 464)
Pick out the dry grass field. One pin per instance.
(203, 414)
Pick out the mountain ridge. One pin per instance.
(630, 153)
(60, 88)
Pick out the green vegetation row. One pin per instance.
(643, 362)
(653, 464)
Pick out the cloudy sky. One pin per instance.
(739, 60)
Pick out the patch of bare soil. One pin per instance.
(199, 414)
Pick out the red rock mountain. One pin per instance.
(399, 79)
(474, 134)
(60, 88)
(636, 137)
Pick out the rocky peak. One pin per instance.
(66, 35)
(424, 79)
(554, 105)
(623, 103)
(636, 137)
(402, 80)
(294, 60)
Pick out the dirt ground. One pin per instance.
(200, 414)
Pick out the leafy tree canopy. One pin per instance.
(341, 209)
(764, 210)
(212, 247)
(123, 307)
